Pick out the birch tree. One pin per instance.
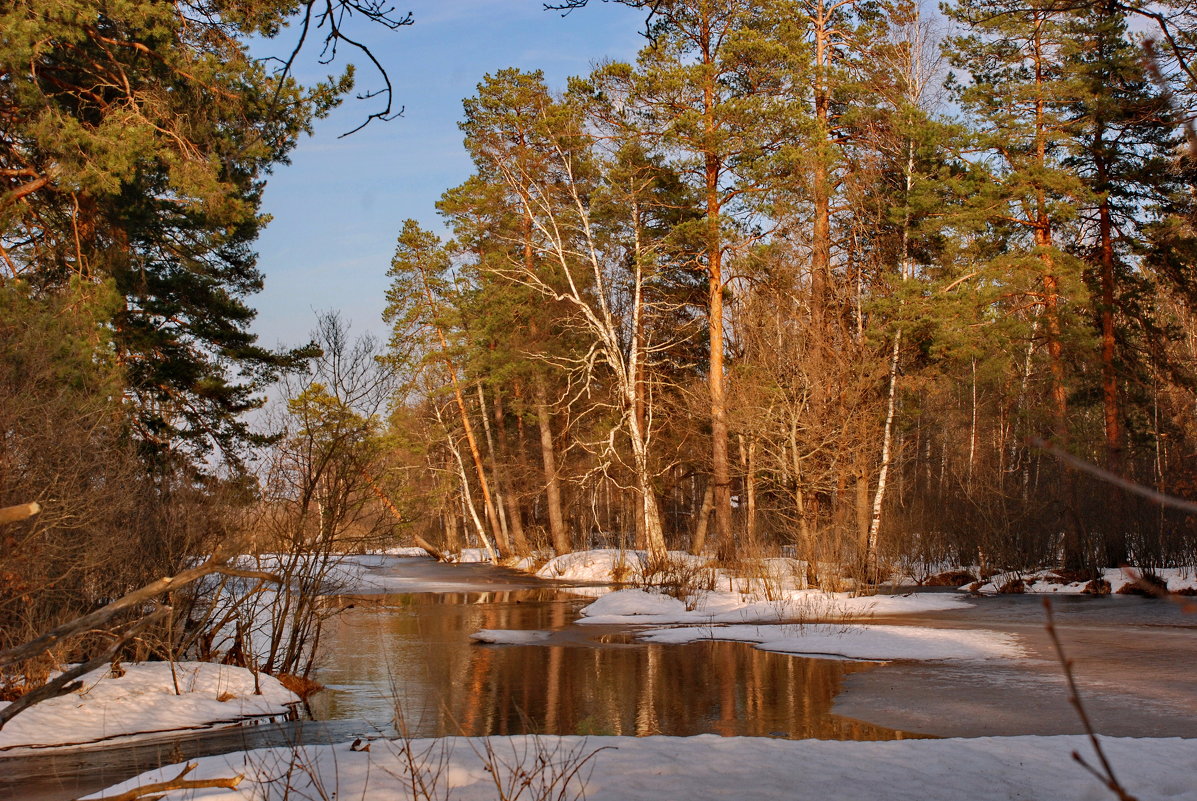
(556, 190)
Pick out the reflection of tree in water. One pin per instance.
(447, 685)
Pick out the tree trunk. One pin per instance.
(748, 460)
(883, 474)
(514, 513)
(712, 172)
(699, 540)
(1115, 534)
(557, 532)
(501, 535)
(720, 467)
(863, 508)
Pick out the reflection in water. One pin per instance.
(415, 648)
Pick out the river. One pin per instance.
(404, 662)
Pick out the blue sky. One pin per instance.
(339, 205)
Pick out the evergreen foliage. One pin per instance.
(852, 306)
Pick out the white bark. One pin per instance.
(467, 495)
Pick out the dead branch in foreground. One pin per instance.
(1102, 474)
(1106, 774)
(99, 621)
(65, 682)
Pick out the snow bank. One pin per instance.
(615, 566)
(1048, 581)
(407, 552)
(640, 607)
(709, 767)
(863, 642)
(143, 700)
(604, 565)
(470, 555)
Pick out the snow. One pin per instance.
(641, 607)
(837, 639)
(407, 552)
(470, 555)
(1048, 581)
(603, 565)
(707, 767)
(862, 642)
(725, 615)
(510, 636)
(143, 700)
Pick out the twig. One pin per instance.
(1113, 478)
(1106, 774)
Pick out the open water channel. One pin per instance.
(404, 662)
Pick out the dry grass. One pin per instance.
(302, 686)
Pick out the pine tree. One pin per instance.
(135, 143)
(716, 91)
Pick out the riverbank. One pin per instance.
(132, 700)
(413, 650)
(707, 767)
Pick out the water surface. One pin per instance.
(410, 656)
(405, 659)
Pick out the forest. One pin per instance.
(839, 279)
(842, 278)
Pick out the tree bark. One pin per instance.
(712, 172)
(720, 467)
(883, 474)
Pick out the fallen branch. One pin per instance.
(13, 514)
(152, 792)
(65, 682)
(100, 617)
(431, 549)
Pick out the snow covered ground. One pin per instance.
(819, 624)
(852, 641)
(645, 607)
(143, 700)
(706, 767)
